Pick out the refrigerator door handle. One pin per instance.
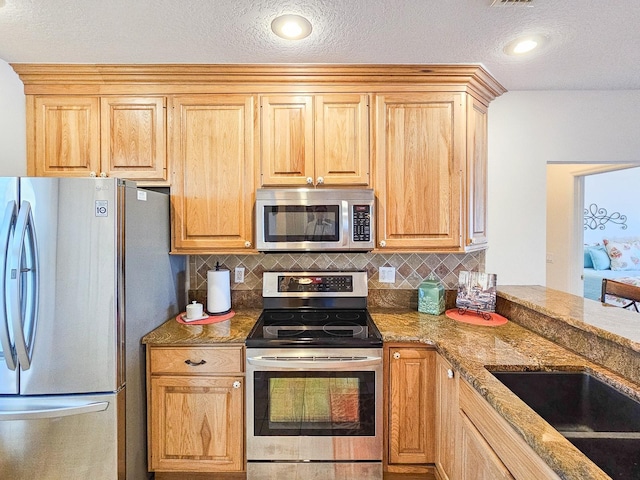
(23, 279)
(57, 411)
(8, 350)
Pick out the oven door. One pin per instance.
(314, 404)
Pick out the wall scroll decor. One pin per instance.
(597, 217)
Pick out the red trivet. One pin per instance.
(475, 319)
(207, 320)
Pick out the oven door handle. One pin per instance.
(314, 363)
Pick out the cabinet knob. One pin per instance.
(92, 174)
(103, 175)
(383, 243)
(247, 244)
(309, 181)
(396, 355)
(450, 373)
(237, 384)
(320, 180)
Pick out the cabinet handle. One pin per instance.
(383, 243)
(195, 364)
(309, 181)
(247, 244)
(449, 373)
(320, 180)
(396, 355)
(237, 384)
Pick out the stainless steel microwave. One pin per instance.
(315, 220)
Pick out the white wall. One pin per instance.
(13, 153)
(527, 130)
(617, 191)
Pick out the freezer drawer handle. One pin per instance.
(195, 364)
(53, 412)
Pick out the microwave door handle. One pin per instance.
(24, 239)
(8, 352)
(346, 239)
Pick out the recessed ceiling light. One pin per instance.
(291, 27)
(525, 44)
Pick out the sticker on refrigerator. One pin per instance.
(102, 208)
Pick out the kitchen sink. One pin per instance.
(600, 421)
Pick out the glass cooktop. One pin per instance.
(314, 327)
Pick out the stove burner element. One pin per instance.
(279, 330)
(281, 316)
(314, 316)
(348, 315)
(343, 329)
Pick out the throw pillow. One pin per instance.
(599, 258)
(624, 256)
(588, 263)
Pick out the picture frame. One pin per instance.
(476, 291)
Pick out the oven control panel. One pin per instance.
(327, 284)
(314, 283)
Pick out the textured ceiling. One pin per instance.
(593, 44)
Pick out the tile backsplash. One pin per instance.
(411, 268)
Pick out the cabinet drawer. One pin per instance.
(196, 360)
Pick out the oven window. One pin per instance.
(297, 223)
(314, 403)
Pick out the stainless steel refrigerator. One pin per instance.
(86, 272)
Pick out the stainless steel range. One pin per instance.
(314, 380)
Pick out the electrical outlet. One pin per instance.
(239, 275)
(387, 274)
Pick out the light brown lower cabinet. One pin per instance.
(446, 386)
(490, 448)
(196, 409)
(410, 419)
(478, 461)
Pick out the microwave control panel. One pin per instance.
(362, 223)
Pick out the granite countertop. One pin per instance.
(234, 330)
(471, 348)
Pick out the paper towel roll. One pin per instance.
(218, 291)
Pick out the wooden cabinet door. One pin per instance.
(213, 173)
(64, 139)
(197, 424)
(476, 181)
(342, 139)
(447, 444)
(420, 145)
(411, 416)
(286, 141)
(133, 138)
(478, 461)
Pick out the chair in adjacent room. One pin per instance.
(629, 293)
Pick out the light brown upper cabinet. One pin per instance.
(81, 136)
(476, 176)
(64, 136)
(416, 134)
(133, 138)
(315, 140)
(213, 173)
(420, 140)
(430, 172)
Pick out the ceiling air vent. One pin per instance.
(514, 3)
